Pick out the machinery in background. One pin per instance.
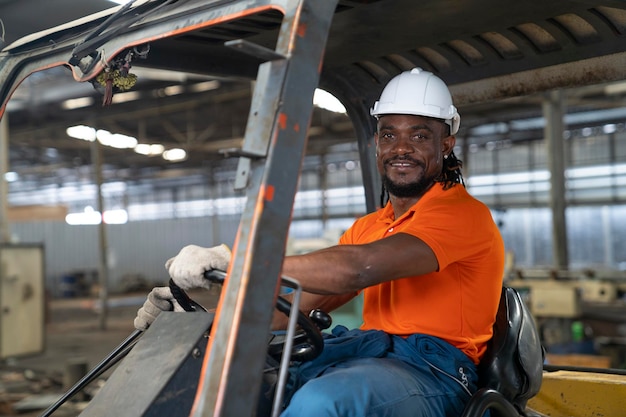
(581, 314)
(22, 300)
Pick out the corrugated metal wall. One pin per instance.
(135, 248)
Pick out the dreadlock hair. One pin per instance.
(450, 176)
(451, 172)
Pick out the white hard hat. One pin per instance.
(420, 93)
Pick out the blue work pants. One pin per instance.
(373, 374)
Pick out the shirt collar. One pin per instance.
(386, 213)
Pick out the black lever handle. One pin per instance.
(216, 276)
(321, 318)
(183, 299)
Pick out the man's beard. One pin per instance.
(414, 189)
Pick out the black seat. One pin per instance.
(511, 371)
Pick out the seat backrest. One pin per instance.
(513, 363)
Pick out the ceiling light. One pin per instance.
(82, 132)
(149, 150)
(119, 216)
(327, 101)
(11, 176)
(88, 216)
(204, 86)
(614, 89)
(91, 216)
(174, 155)
(173, 90)
(77, 103)
(116, 140)
(609, 128)
(120, 1)
(124, 97)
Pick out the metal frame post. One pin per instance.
(232, 371)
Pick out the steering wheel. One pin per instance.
(308, 341)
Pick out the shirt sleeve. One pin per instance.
(453, 230)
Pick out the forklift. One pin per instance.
(350, 48)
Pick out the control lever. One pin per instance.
(215, 276)
(321, 319)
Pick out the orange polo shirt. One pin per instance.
(458, 303)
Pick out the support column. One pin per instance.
(5, 234)
(553, 131)
(103, 268)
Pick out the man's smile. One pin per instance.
(402, 163)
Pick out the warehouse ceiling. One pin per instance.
(204, 115)
(174, 104)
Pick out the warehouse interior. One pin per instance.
(176, 182)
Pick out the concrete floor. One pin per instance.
(72, 336)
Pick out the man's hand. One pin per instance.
(188, 267)
(159, 299)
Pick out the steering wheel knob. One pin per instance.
(321, 319)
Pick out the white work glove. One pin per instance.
(159, 299)
(188, 267)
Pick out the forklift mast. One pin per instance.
(269, 167)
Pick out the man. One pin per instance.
(429, 264)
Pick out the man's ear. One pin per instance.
(448, 143)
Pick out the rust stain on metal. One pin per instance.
(302, 30)
(269, 193)
(282, 121)
(566, 75)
